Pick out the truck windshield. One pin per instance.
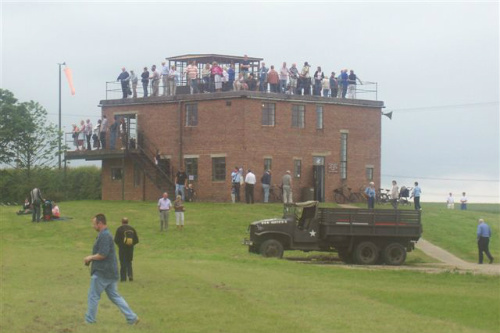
(300, 214)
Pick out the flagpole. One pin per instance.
(60, 134)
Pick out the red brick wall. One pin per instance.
(236, 131)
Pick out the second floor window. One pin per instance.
(268, 114)
(298, 115)
(191, 114)
(319, 117)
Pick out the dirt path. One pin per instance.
(454, 262)
(449, 262)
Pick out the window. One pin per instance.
(297, 168)
(343, 155)
(191, 167)
(191, 114)
(319, 117)
(369, 173)
(137, 175)
(268, 114)
(116, 173)
(298, 113)
(318, 160)
(268, 163)
(218, 168)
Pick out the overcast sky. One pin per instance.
(436, 66)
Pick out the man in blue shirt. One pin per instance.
(415, 194)
(236, 180)
(263, 77)
(483, 240)
(370, 193)
(104, 273)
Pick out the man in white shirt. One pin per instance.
(164, 205)
(88, 133)
(164, 77)
(450, 202)
(394, 194)
(463, 202)
(103, 131)
(250, 181)
(283, 78)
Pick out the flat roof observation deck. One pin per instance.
(366, 91)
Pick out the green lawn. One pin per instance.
(203, 280)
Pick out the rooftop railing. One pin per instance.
(366, 91)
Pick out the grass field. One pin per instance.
(203, 280)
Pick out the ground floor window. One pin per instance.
(116, 173)
(191, 168)
(137, 175)
(218, 168)
(268, 163)
(369, 173)
(297, 168)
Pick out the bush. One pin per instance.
(58, 185)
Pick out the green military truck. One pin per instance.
(361, 236)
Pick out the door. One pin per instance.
(319, 178)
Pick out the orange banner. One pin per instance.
(69, 77)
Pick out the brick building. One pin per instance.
(324, 142)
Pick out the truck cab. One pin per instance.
(297, 229)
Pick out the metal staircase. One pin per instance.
(144, 158)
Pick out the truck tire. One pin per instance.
(271, 248)
(394, 254)
(366, 253)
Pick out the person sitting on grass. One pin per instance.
(55, 211)
(26, 208)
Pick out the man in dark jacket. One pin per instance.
(124, 79)
(36, 201)
(126, 237)
(266, 184)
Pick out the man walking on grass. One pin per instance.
(104, 274)
(126, 238)
(483, 240)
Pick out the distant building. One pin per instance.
(325, 143)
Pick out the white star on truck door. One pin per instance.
(312, 233)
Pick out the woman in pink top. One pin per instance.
(217, 74)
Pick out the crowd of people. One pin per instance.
(83, 134)
(248, 181)
(215, 78)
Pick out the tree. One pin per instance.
(27, 139)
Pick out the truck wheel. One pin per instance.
(394, 254)
(271, 248)
(366, 253)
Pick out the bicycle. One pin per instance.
(341, 197)
(276, 193)
(383, 198)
